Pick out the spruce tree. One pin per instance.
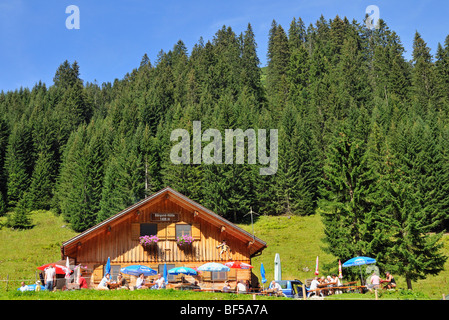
(347, 203)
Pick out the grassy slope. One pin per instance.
(296, 239)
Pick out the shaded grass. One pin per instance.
(168, 294)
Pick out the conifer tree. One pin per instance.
(19, 162)
(4, 133)
(278, 57)
(412, 251)
(423, 76)
(347, 203)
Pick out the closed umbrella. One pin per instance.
(137, 269)
(107, 268)
(340, 274)
(165, 275)
(277, 268)
(262, 273)
(316, 267)
(67, 271)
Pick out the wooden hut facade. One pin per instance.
(168, 215)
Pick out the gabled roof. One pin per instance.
(207, 215)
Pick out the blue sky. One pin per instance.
(114, 35)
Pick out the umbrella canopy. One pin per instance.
(182, 270)
(59, 268)
(358, 261)
(137, 269)
(213, 266)
(238, 265)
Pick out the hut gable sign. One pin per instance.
(165, 217)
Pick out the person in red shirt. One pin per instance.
(82, 282)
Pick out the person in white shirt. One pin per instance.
(50, 277)
(241, 288)
(104, 283)
(160, 282)
(23, 287)
(140, 282)
(313, 286)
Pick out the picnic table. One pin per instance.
(347, 288)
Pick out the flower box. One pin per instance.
(184, 241)
(148, 241)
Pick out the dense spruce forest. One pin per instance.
(363, 137)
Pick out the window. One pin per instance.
(115, 270)
(183, 230)
(148, 229)
(219, 275)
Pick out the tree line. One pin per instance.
(363, 137)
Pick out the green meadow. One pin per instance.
(297, 240)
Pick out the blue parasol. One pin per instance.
(137, 269)
(358, 261)
(182, 270)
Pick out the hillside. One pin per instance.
(296, 239)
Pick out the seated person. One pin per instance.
(241, 288)
(105, 282)
(391, 283)
(313, 286)
(23, 287)
(226, 287)
(123, 284)
(140, 282)
(160, 282)
(82, 282)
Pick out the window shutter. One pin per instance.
(196, 231)
(232, 275)
(135, 231)
(171, 231)
(207, 276)
(161, 229)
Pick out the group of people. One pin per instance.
(324, 282)
(121, 283)
(375, 281)
(241, 287)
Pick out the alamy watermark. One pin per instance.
(72, 21)
(373, 16)
(213, 151)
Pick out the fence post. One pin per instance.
(7, 281)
